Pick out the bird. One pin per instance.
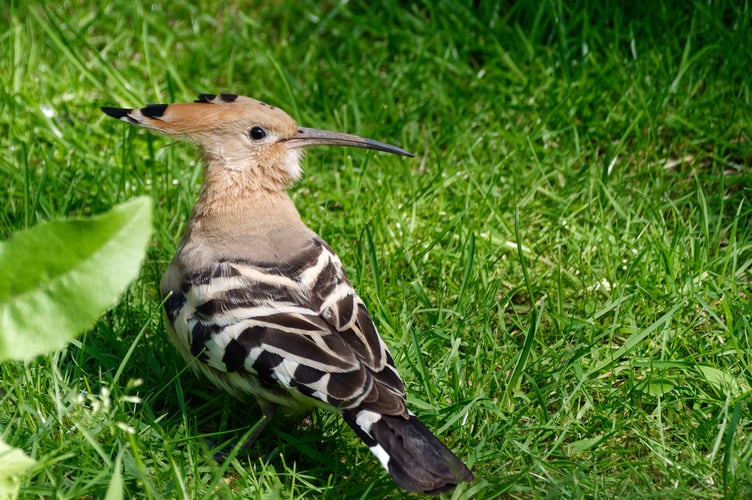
(261, 305)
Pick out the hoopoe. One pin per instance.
(262, 303)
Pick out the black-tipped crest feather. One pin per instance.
(118, 113)
(154, 110)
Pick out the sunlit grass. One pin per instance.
(562, 273)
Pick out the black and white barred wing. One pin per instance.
(300, 327)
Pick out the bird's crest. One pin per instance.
(209, 114)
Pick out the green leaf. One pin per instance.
(658, 388)
(59, 277)
(586, 444)
(115, 489)
(722, 381)
(13, 463)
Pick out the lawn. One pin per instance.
(563, 273)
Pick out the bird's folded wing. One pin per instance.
(302, 328)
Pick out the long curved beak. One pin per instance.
(312, 137)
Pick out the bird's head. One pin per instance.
(242, 135)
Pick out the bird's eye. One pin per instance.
(257, 133)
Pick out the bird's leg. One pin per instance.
(257, 429)
(221, 456)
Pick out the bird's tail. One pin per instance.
(414, 457)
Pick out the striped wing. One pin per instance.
(299, 327)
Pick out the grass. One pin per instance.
(563, 274)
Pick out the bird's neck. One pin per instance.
(231, 203)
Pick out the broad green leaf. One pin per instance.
(584, 444)
(722, 381)
(59, 277)
(13, 463)
(658, 388)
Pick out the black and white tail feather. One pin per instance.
(413, 456)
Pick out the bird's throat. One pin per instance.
(229, 208)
